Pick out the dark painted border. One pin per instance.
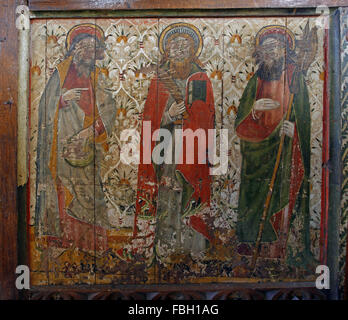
(343, 263)
(155, 13)
(335, 153)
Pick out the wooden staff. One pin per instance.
(270, 190)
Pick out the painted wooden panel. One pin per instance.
(97, 216)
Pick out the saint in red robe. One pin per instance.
(169, 191)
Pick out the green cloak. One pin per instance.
(258, 161)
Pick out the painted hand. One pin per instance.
(176, 109)
(288, 128)
(266, 104)
(85, 133)
(73, 94)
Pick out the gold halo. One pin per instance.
(164, 35)
(96, 27)
(265, 29)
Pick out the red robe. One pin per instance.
(200, 115)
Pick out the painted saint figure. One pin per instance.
(259, 124)
(180, 97)
(75, 117)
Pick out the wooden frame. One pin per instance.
(40, 9)
(8, 138)
(41, 5)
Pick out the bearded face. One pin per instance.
(179, 49)
(180, 53)
(270, 57)
(86, 52)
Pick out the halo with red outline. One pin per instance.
(278, 29)
(88, 28)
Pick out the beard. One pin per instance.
(83, 66)
(180, 69)
(271, 71)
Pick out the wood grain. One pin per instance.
(8, 146)
(40, 5)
